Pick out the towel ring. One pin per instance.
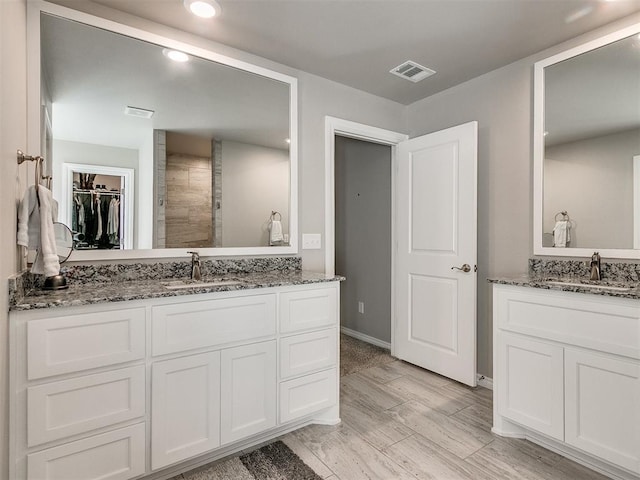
(565, 216)
(38, 170)
(273, 215)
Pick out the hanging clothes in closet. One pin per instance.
(97, 216)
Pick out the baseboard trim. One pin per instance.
(365, 338)
(485, 382)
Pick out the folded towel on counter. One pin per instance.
(275, 234)
(561, 234)
(35, 229)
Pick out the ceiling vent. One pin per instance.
(412, 71)
(138, 112)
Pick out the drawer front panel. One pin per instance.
(60, 409)
(308, 394)
(81, 342)
(117, 455)
(307, 353)
(187, 326)
(579, 319)
(307, 309)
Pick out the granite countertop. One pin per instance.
(574, 284)
(105, 292)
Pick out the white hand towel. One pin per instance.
(276, 232)
(46, 261)
(561, 234)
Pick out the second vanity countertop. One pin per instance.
(105, 292)
(570, 284)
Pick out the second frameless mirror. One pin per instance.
(591, 182)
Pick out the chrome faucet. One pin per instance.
(595, 266)
(195, 266)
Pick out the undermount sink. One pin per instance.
(594, 286)
(185, 284)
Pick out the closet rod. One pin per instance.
(87, 192)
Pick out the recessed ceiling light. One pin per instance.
(203, 8)
(175, 55)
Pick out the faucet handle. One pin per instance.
(194, 256)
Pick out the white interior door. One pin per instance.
(435, 279)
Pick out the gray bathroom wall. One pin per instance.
(363, 235)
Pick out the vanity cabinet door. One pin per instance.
(530, 376)
(603, 406)
(185, 408)
(248, 390)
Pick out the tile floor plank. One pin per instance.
(453, 435)
(374, 395)
(427, 461)
(348, 455)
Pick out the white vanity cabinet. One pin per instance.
(567, 374)
(151, 388)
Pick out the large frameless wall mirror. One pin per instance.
(587, 149)
(209, 142)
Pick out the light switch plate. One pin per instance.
(311, 241)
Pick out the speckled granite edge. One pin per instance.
(22, 283)
(108, 292)
(609, 271)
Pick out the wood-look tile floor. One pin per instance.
(402, 422)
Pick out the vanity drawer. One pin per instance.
(306, 395)
(117, 455)
(61, 409)
(307, 352)
(83, 341)
(607, 324)
(308, 309)
(187, 326)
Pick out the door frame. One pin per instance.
(346, 128)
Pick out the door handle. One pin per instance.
(466, 268)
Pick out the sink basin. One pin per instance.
(594, 286)
(185, 284)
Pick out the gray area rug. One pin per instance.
(356, 355)
(275, 461)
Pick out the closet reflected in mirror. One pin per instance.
(100, 210)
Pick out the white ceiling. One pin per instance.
(357, 42)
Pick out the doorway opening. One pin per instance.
(351, 228)
(363, 227)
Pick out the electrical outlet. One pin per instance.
(360, 307)
(311, 241)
